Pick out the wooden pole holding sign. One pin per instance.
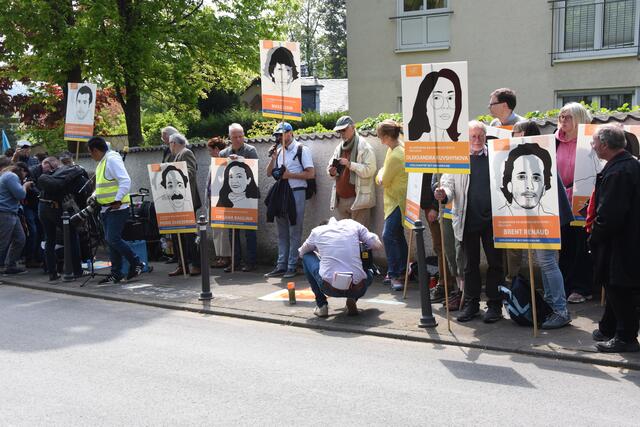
(444, 263)
(184, 265)
(534, 310)
(406, 270)
(77, 150)
(233, 250)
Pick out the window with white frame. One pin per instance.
(604, 98)
(423, 24)
(595, 28)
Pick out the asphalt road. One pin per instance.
(78, 361)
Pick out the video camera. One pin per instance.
(336, 164)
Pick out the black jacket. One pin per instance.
(615, 237)
(280, 202)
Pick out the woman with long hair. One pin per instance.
(238, 187)
(393, 179)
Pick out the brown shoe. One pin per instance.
(177, 272)
(352, 309)
(195, 271)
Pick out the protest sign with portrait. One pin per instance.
(588, 165)
(412, 202)
(234, 193)
(435, 107)
(280, 79)
(81, 106)
(171, 191)
(524, 193)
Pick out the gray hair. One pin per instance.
(178, 138)
(578, 112)
(236, 126)
(611, 135)
(53, 162)
(168, 130)
(479, 125)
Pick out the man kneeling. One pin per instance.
(332, 263)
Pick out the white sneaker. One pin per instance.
(322, 311)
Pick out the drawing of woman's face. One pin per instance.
(443, 102)
(527, 181)
(238, 180)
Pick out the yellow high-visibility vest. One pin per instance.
(106, 189)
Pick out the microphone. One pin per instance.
(125, 151)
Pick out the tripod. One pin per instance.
(95, 229)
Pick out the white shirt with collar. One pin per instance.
(338, 243)
(293, 165)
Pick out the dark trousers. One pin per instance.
(51, 219)
(620, 317)
(472, 281)
(575, 262)
(251, 248)
(189, 249)
(32, 251)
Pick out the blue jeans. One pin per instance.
(250, 238)
(12, 239)
(311, 265)
(113, 222)
(289, 235)
(395, 245)
(552, 280)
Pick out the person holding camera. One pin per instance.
(352, 167)
(58, 183)
(112, 194)
(13, 190)
(296, 169)
(331, 257)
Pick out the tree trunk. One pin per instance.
(132, 116)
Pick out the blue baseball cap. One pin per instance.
(283, 127)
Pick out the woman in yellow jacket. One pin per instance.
(393, 179)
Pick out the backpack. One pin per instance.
(517, 302)
(311, 183)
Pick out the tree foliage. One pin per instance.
(172, 50)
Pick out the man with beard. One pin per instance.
(180, 153)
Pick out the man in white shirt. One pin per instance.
(112, 193)
(333, 264)
(297, 169)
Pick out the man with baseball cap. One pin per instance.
(296, 168)
(352, 167)
(23, 154)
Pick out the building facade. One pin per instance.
(549, 52)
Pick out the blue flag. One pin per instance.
(5, 142)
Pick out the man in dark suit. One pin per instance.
(612, 218)
(180, 153)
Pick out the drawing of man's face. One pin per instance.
(527, 181)
(443, 102)
(283, 75)
(238, 180)
(176, 189)
(83, 105)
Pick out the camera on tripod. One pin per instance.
(92, 207)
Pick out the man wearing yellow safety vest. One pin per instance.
(112, 193)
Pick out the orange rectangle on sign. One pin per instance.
(501, 145)
(444, 157)
(522, 232)
(272, 102)
(412, 212)
(413, 70)
(267, 44)
(507, 127)
(589, 130)
(577, 204)
(234, 218)
(155, 167)
(77, 129)
(176, 222)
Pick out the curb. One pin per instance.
(288, 321)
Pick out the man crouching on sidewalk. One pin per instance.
(332, 263)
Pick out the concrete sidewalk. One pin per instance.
(382, 312)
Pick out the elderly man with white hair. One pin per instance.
(165, 134)
(239, 148)
(180, 153)
(471, 195)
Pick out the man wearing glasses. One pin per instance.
(352, 167)
(502, 102)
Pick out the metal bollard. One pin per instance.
(67, 275)
(206, 294)
(427, 320)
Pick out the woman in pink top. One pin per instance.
(574, 258)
